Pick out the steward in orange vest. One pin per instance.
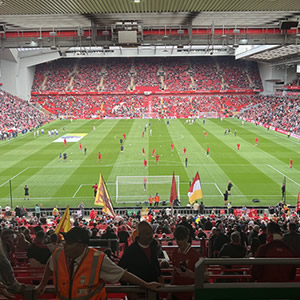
(150, 200)
(79, 272)
(156, 199)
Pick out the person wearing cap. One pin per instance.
(80, 272)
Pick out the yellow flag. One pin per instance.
(64, 223)
(103, 198)
(101, 192)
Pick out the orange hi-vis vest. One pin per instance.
(85, 283)
(156, 199)
(55, 212)
(150, 200)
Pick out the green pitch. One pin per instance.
(255, 171)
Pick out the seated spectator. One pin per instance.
(38, 253)
(292, 238)
(275, 247)
(234, 249)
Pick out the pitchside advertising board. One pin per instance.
(70, 138)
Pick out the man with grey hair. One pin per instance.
(234, 249)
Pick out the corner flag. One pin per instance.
(173, 193)
(64, 223)
(195, 191)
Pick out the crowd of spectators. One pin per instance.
(18, 115)
(295, 83)
(172, 74)
(278, 111)
(136, 106)
(275, 234)
(85, 107)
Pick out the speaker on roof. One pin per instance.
(288, 24)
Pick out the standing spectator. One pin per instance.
(37, 210)
(81, 207)
(26, 192)
(55, 212)
(17, 211)
(184, 258)
(201, 208)
(141, 257)
(76, 262)
(196, 208)
(7, 211)
(274, 248)
(156, 199)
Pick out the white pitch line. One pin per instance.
(13, 177)
(284, 175)
(77, 191)
(218, 189)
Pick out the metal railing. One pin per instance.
(244, 290)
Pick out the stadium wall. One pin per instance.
(17, 76)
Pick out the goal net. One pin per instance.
(135, 189)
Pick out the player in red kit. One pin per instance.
(99, 157)
(153, 152)
(184, 151)
(207, 151)
(65, 142)
(291, 163)
(124, 136)
(145, 163)
(172, 147)
(157, 159)
(205, 134)
(143, 134)
(80, 147)
(238, 146)
(143, 151)
(256, 141)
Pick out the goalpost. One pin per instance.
(136, 189)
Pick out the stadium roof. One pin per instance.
(89, 23)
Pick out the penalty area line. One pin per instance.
(284, 175)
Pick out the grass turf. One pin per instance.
(255, 171)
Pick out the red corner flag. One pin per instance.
(173, 193)
(298, 204)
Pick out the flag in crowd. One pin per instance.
(195, 190)
(173, 193)
(64, 223)
(103, 198)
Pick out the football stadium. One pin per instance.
(165, 134)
